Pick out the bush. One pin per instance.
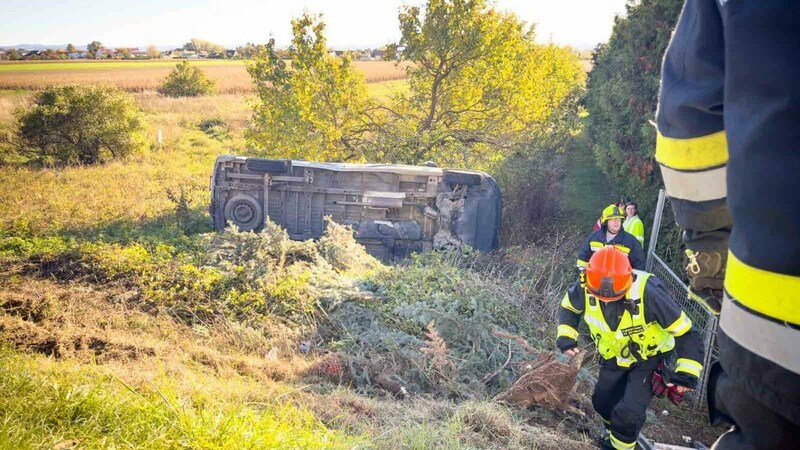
(80, 124)
(187, 81)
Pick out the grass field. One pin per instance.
(139, 76)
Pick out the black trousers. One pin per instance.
(756, 425)
(621, 397)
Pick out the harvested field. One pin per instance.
(139, 76)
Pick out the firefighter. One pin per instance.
(635, 324)
(728, 126)
(612, 233)
(633, 224)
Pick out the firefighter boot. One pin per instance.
(706, 271)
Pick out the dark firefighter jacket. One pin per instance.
(660, 310)
(623, 241)
(729, 134)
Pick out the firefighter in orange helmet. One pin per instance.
(635, 325)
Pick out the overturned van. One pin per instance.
(393, 209)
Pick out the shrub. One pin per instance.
(80, 124)
(187, 81)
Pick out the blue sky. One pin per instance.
(351, 23)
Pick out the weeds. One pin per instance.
(47, 404)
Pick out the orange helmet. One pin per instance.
(609, 274)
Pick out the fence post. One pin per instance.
(651, 247)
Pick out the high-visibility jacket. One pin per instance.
(728, 135)
(644, 325)
(635, 227)
(622, 241)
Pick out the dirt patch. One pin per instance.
(27, 336)
(33, 308)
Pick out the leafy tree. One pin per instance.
(124, 52)
(623, 95)
(153, 52)
(80, 124)
(93, 48)
(198, 45)
(13, 54)
(316, 108)
(187, 81)
(480, 89)
(71, 48)
(248, 51)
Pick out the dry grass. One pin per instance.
(231, 77)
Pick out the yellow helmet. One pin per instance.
(612, 212)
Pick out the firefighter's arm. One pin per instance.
(584, 254)
(637, 254)
(662, 308)
(569, 317)
(691, 144)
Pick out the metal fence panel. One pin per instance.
(702, 320)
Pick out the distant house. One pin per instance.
(216, 56)
(77, 55)
(31, 54)
(231, 54)
(105, 53)
(138, 53)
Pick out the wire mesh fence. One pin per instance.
(702, 320)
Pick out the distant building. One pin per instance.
(77, 55)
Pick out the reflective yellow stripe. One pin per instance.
(681, 326)
(582, 263)
(622, 248)
(567, 331)
(621, 445)
(689, 366)
(595, 246)
(696, 186)
(772, 294)
(566, 304)
(692, 154)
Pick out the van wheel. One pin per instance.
(244, 211)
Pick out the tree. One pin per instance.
(80, 124)
(152, 51)
(200, 45)
(318, 108)
(93, 48)
(187, 81)
(623, 95)
(13, 54)
(71, 48)
(480, 88)
(124, 52)
(248, 51)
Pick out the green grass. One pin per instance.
(46, 66)
(46, 404)
(587, 190)
(383, 91)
